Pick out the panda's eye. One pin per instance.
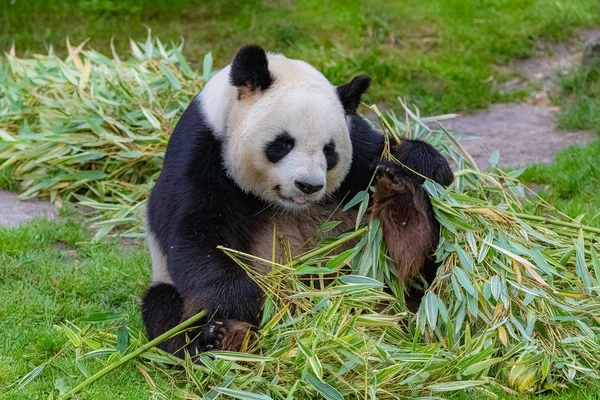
(330, 155)
(279, 147)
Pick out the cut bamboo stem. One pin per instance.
(154, 342)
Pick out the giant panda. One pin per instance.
(270, 141)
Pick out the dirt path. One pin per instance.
(14, 212)
(526, 133)
(523, 133)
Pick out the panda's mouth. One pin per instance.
(295, 200)
(300, 200)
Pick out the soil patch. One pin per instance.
(523, 133)
(14, 212)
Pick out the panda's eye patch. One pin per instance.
(279, 147)
(330, 155)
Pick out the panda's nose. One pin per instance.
(308, 188)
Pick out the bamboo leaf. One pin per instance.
(34, 373)
(465, 259)
(481, 366)
(580, 265)
(452, 386)
(431, 308)
(358, 198)
(122, 339)
(325, 389)
(207, 66)
(464, 281)
(529, 266)
(240, 394)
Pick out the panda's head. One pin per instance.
(283, 126)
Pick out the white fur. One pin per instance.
(301, 102)
(160, 274)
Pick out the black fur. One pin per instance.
(331, 155)
(250, 68)
(194, 207)
(367, 146)
(280, 147)
(351, 93)
(422, 157)
(162, 309)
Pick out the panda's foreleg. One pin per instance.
(406, 219)
(208, 279)
(409, 225)
(423, 158)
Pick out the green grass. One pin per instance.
(580, 98)
(572, 181)
(438, 54)
(51, 273)
(580, 393)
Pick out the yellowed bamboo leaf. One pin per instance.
(528, 265)
(74, 56)
(502, 335)
(85, 74)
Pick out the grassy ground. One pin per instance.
(571, 183)
(50, 274)
(439, 54)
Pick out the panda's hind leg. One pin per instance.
(162, 309)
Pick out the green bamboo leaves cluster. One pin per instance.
(93, 129)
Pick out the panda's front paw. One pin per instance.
(389, 170)
(223, 335)
(211, 336)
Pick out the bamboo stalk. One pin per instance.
(330, 246)
(557, 222)
(167, 335)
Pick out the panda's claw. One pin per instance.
(222, 335)
(389, 170)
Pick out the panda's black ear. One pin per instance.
(250, 70)
(350, 93)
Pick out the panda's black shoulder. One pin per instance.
(367, 146)
(423, 157)
(193, 181)
(192, 136)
